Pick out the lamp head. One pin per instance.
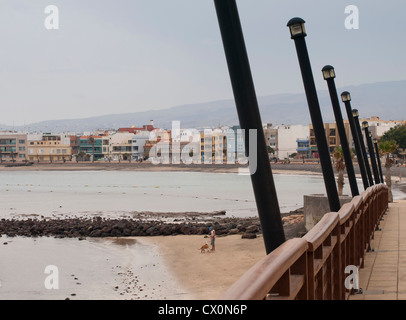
(297, 28)
(355, 113)
(365, 125)
(328, 72)
(345, 96)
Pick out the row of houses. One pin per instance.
(222, 145)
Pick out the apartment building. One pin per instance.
(48, 148)
(271, 137)
(378, 127)
(120, 146)
(13, 147)
(332, 135)
(138, 142)
(235, 144)
(287, 139)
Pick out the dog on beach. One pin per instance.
(204, 247)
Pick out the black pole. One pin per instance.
(329, 75)
(371, 152)
(379, 160)
(364, 150)
(298, 34)
(357, 144)
(249, 117)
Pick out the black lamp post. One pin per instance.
(364, 150)
(378, 159)
(329, 75)
(298, 34)
(346, 98)
(249, 117)
(368, 138)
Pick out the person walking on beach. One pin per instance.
(212, 238)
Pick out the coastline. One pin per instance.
(143, 167)
(291, 168)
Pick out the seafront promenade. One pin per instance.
(384, 274)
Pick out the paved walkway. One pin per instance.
(384, 274)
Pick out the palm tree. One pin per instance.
(339, 165)
(388, 147)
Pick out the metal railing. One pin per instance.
(313, 267)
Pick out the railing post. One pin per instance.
(298, 34)
(346, 98)
(329, 75)
(368, 137)
(249, 117)
(378, 159)
(364, 150)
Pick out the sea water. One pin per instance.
(120, 193)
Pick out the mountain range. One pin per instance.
(386, 100)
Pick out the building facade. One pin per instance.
(13, 147)
(49, 148)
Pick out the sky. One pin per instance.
(121, 56)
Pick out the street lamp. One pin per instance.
(346, 98)
(329, 75)
(298, 34)
(378, 158)
(250, 120)
(297, 28)
(364, 150)
(368, 138)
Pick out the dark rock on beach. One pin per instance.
(97, 227)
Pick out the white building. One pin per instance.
(138, 143)
(287, 138)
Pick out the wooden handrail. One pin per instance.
(260, 279)
(312, 267)
(345, 212)
(318, 234)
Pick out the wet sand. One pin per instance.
(142, 268)
(105, 269)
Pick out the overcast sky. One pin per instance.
(119, 56)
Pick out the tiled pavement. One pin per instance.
(384, 274)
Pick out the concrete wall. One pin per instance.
(315, 206)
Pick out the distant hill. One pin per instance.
(384, 99)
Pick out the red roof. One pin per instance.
(133, 130)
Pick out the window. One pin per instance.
(64, 151)
(21, 149)
(21, 141)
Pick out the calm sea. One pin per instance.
(118, 193)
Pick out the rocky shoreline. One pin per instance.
(100, 227)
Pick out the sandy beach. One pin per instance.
(206, 276)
